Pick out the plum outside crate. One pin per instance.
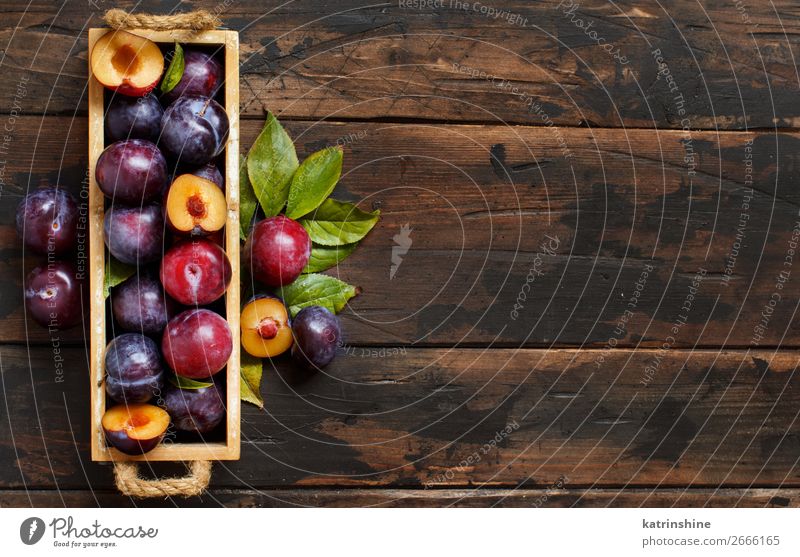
(227, 43)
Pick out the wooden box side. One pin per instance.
(230, 449)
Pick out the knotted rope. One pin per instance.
(199, 20)
(130, 483)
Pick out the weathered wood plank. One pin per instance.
(387, 498)
(593, 65)
(449, 418)
(481, 202)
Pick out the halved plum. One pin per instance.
(266, 331)
(195, 205)
(127, 63)
(135, 428)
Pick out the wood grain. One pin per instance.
(430, 372)
(98, 327)
(345, 60)
(482, 200)
(457, 418)
(389, 498)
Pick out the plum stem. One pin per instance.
(205, 106)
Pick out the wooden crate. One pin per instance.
(229, 449)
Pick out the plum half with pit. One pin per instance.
(317, 334)
(194, 130)
(277, 250)
(266, 331)
(140, 305)
(202, 75)
(135, 235)
(47, 220)
(195, 206)
(132, 171)
(127, 63)
(54, 295)
(134, 372)
(135, 429)
(197, 343)
(134, 118)
(195, 410)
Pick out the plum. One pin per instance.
(197, 343)
(277, 250)
(194, 130)
(134, 118)
(317, 334)
(135, 429)
(133, 368)
(202, 75)
(196, 272)
(54, 295)
(210, 172)
(195, 410)
(132, 171)
(135, 235)
(139, 304)
(47, 221)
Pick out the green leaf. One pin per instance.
(174, 72)
(325, 257)
(314, 181)
(336, 223)
(186, 383)
(317, 290)
(250, 385)
(248, 203)
(271, 163)
(116, 273)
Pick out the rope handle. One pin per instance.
(129, 482)
(199, 20)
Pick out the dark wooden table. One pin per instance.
(598, 302)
